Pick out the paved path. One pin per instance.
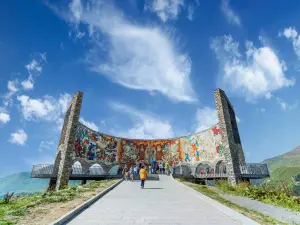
(279, 213)
(161, 202)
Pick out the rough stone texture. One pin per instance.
(234, 155)
(63, 161)
(160, 202)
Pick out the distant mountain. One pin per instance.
(22, 183)
(283, 167)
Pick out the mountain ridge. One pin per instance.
(284, 166)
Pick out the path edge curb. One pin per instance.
(79, 209)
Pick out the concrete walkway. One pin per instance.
(279, 213)
(161, 202)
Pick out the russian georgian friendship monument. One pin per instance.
(214, 153)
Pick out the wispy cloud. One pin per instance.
(230, 15)
(34, 68)
(4, 116)
(19, 137)
(206, 117)
(165, 9)
(136, 56)
(46, 145)
(12, 86)
(257, 75)
(91, 125)
(285, 106)
(144, 124)
(46, 108)
(292, 35)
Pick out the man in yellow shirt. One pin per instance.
(143, 176)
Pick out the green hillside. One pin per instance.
(284, 166)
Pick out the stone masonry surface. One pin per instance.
(161, 202)
(227, 136)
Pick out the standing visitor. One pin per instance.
(154, 166)
(160, 168)
(125, 173)
(135, 170)
(167, 168)
(150, 169)
(131, 173)
(143, 176)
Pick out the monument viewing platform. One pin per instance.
(214, 153)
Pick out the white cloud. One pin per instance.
(230, 15)
(47, 108)
(285, 106)
(4, 117)
(91, 125)
(256, 76)
(34, 68)
(12, 86)
(205, 118)
(46, 145)
(76, 9)
(145, 126)
(64, 102)
(19, 137)
(138, 57)
(292, 35)
(165, 9)
(191, 11)
(28, 83)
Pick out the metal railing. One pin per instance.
(252, 171)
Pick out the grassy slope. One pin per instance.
(254, 215)
(284, 166)
(20, 207)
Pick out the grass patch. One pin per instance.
(254, 215)
(278, 195)
(18, 207)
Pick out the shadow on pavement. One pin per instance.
(152, 188)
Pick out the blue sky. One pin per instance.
(148, 70)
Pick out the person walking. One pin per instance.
(143, 176)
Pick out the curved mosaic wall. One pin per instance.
(205, 146)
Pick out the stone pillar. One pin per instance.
(63, 160)
(233, 151)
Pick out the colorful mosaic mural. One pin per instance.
(95, 146)
(204, 146)
(145, 151)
